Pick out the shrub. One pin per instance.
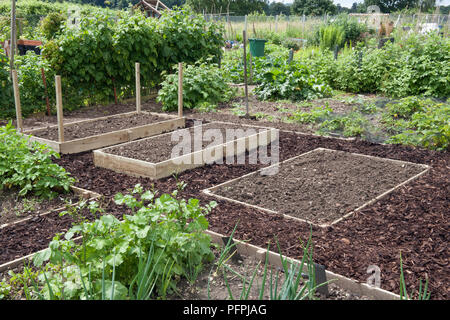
(28, 166)
(292, 81)
(6, 90)
(32, 90)
(203, 83)
(50, 26)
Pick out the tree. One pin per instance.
(313, 7)
(235, 7)
(276, 8)
(387, 6)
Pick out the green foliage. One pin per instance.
(350, 125)
(419, 122)
(203, 84)
(313, 7)
(31, 87)
(331, 36)
(50, 26)
(275, 56)
(28, 166)
(417, 67)
(292, 81)
(6, 89)
(315, 115)
(100, 53)
(157, 244)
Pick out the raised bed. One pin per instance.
(274, 259)
(100, 132)
(321, 186)
(22, 233)
(139, 158)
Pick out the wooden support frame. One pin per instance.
(210, 191)
(110, 138)
(166, 168)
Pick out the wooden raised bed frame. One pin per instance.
(139, 168)
(110, 138)
(210, 191)
(86, 194)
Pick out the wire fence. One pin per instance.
(303, 26)
(299, 27)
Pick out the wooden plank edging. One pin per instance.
(109, 138)
(274, 259)
(210, 191)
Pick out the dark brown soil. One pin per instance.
(14, 208)
(414, 219)
(88, 129)
(145, 149)
(321, 186)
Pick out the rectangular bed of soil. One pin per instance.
(26, 235)
(106, 131)
(159, 156)
(321, 186)
(14, 209)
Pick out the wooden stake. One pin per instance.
(59, 108)
(12, 48)
(17, 101)
(180, 89)
(244, 37)
(138, 87)
(46, 92)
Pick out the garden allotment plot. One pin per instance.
(167, 154)
(321, 186)
(106, 131)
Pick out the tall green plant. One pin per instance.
(28, 166)
(143, 255)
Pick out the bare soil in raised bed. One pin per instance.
(92, 128)
(145, 149)
(321, 186)
(14, 208)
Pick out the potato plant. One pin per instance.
(28, 166)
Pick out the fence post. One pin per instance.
(138, 87)
(17, 100)
(59, 108)
(244, 37)
(180, 89)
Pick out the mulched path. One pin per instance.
(413, 219)
(92, 128)
(321, 186)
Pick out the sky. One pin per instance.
(348, 3)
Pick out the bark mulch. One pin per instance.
(413, 219)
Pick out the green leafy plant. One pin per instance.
(316, 114)
(293, 81)
(144, 255)
(350, 125)
(6, 89)
(203, 84)
(28, 166)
